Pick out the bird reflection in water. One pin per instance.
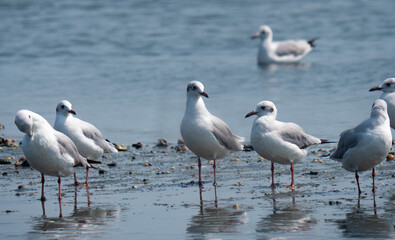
(82, 220)
(215, 219)
(360, 224)
(287, 219)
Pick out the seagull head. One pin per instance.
(387, 86)
(264, 108)
(24, 121)
(379, 106)
(196, 89)
(64, 107)
(263, 33)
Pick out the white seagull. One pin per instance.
(388, 95)
(47, 150)
(363, 147)
(204, 134)
(87, 138)
(289, 51)
(279, 142)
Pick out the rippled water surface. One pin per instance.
(124, 65)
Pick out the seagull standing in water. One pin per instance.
(87, 138)
(47, 150)
(388, 95)
(289, 51)
(363, 147)
(279, 142)
(204, 134)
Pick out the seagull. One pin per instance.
(289, 51)
(204, 134)
(279, 142)
(363, 147)
(388, 95)
(87, 138)
(47, 150)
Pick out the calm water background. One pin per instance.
(124, 65)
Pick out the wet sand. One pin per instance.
(152, 193)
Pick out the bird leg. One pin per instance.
(373, 174)
(87, 174)
(273, 185)
(200, 172)
(42, 188)
(76, 183)
(215, 175)
(292, 176)
(357, 178)
(60, 193)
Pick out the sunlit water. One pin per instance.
(124, 65)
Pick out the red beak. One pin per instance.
(72, 112)
(375, 89)
(204, 94)
(256, 35)
(250, 114)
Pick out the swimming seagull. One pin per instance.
(87, 138)
(204, 134)
(47, 150)
(388, 95)
(289, 51)
(279, 142)
(363, 147)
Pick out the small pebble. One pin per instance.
(102, 171)
(162, 143)
(5, 161)
(137, 145)
(236, 206)
(112, 164)
(22, 187)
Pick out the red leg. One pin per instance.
(87, 176)
(373, 174)
(292, 176)
(200, 171)
(60, 192)
(76, 183)
(42, 188)
(215, 174)
(60, 207)
(357, 177)
(272, 185)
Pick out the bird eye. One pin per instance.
(62, 106)
(194, 88)
(388, 84)
(263, 107)
(29, 116)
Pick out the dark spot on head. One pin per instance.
(271, 109)
(29, 116)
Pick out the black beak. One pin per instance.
(72, 112)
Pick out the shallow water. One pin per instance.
(124, 66)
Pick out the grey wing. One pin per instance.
(93, 133)
(224, 135)
(348, 139)
(294, 134)
(290, 48)
(66, 146)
